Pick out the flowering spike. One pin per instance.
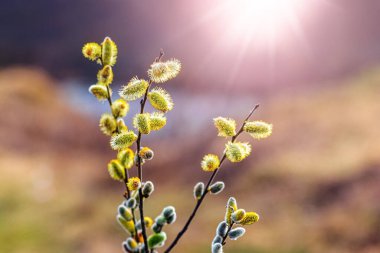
(123, 140)
(126, 157)
(237, 151)
(157, 121)
(210, 162)
(134, 183)
(109, 52)
(142, 123)
(160, 99)
(161, 72)
(134, 89)
(121, 125)
(226, 126)
(146, 153)
(258, 129)
(238, 215)
(105, 75)
(107, 124)
(99, 91)
(173, 68)
(92, 51)
(116, 170)
(120, 108)
(250, 218)
(231, 207)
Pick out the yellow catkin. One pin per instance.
(99, 91)
(120, 108)
(226, 127)
(135, 89)
(134, 183)
(210, 162)
(126, 157)
(107, 124)
(160, 99)
(105, 75)
(92, 51)
(237, 151)
(249, 218)
(141, 122)
(116, 170)
(258, 129)
(109, 52)
(123, 140)
(157, 121)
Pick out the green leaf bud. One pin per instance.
(107, 124)
(226, 127)
(217, 187)
(157, 121)
(217, 248)
(141, 122)
(156, 240)
(109, 52)
(121, 125)
(217, 239)
(231, 207)
(105, 75)
(120, 108)
(222, 228)
(258, 129)
(99, 91)
(135, 89)
(237, 151)
(125, 213)
(160, 99)
(126, 156)
(129, 226)
(235, 233)
(116, 170)
(238, 215)
(199, 189)
(250, 218)
(147, 189)
(131, 203)
(123, 140)
(146, 153)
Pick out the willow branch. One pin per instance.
(210, 181)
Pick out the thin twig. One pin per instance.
(199, 202)
(226, 235)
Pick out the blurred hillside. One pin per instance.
(315, 182)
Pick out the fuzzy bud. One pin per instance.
(231, 207)
(172, 218)
(235, 233)
(92, 51)
(160, 99)
(125, 213)
(105, 75)
(99, 91)
(258, 129)
(237, 151)
(161, 72)
(238, 215)
(130, 244)
(121, 125)
(148, 221)
(147, 189)
(222, 228)
(156, 240)
(226, 126)
(217, 187)
(141, 122)
(217, 248)
(123, 140)
(131, 203)
(120, 108)
(210, 162)
(146, 153)
(160, 220)
(250, 218)
(199, 189)
(129, 226)
(217, 239)
(134, 183)
(135, 89)
(157, 121)
(107, 124)
(109, 52)
(156, 228)
(116, 170)
(168, 211)
(126, 156)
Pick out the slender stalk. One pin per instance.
(213, 175)
(139, 165)
(228, 230)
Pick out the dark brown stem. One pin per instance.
(213, 175)
(228, 230)
(139, 165)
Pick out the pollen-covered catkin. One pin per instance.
(92, 51)
(226, 127)
(157, 121)
(258, 129)
(250, 218)
(116, 170)
(99, 91)
(120, 108)
(127, 225)
(237, 151)
(231, 207)
(210, 162)
(141, 122)
(134, 89)
(238, 215)
(105, 75)
(133, 183)
(146, 153)
(107, 124)
(109, 52)
(126, 157)
(160, 99)
(123, 140)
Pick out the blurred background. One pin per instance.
(314, 66)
